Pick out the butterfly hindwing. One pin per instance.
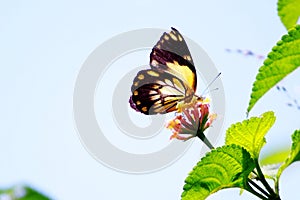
(156, 92)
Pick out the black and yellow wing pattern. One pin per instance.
(171, 79)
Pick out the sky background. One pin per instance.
(42, 48)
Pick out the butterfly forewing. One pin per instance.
(174, 64)
(172, 54)
(174, 42)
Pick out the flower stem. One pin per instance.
(277, 185)
(263, 180)
(202, 137)
(258, 187)
(251, 190)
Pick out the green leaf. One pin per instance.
(224, 167)
(282, 60)
(22, 193)
(289, 12)
(250, 134)
(294, 154)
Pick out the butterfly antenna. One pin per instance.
(206, 89)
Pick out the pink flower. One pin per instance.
(192, 122)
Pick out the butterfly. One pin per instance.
(171, 81)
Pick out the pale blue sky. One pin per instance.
(42, 48)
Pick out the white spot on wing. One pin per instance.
(173, 36)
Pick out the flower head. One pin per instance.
(192, 121)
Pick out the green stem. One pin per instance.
(251, 190)
(204, 139)
(277, 185)
(263, 180)
(258, 187)
(254, 172)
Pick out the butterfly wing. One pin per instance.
(174, 42)
(171, 79)
(155, 91)
(171, 54)
(172, 63)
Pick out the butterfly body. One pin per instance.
(170, 82)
